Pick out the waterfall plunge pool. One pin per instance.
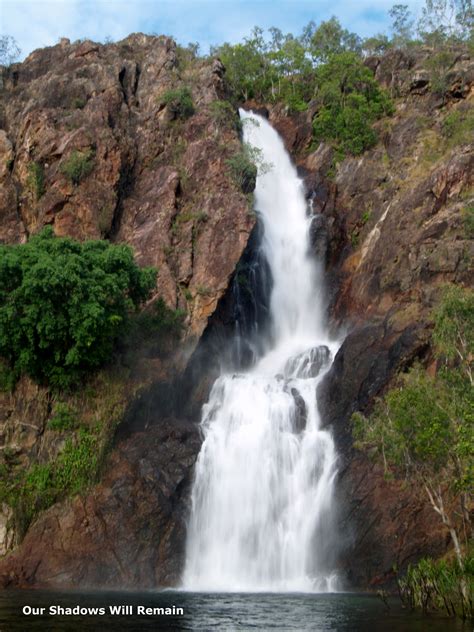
(204, 612)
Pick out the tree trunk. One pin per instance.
(436, 501)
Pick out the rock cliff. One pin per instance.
(390, 225)
(156, 181)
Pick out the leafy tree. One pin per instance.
(439, 65)
(328, 39)
(294, 81)
(186, 55)
(278, 69)
(64, 304)
(350, 101)
(402, 24)
(248, 71)
(9, 50)
(425, 426)
(376, 45)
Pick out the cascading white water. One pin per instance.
(262, 500)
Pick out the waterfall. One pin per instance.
(262, 516)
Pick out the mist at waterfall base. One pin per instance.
(263, 511)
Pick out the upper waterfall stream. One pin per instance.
(262, 515)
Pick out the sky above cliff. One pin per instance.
(38, 23)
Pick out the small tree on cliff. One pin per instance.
(64, 304)
(9, 50)
(402, 24)
(425, 426)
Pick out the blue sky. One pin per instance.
(38, 23)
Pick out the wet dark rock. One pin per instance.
(257, 108)
(308, 364)
(318, 237)
(249, 179)
(301, 414)
(363, 366)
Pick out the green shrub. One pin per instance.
(41, 485)
(458, 126)
(158, 326)
(187, 55)
(295, 103)
(77, 465)
(224, 115)
(202, 290)
(7, 376)
(440, 585)
(160, 319)
(187, 294)
(179, 102)
(35, 180)
(245, 165)
(366, 215)
(78, 166)
(79, 103)
(64, 418)
(243, 171)
(468, 220)
(438, 66)
(64, 304)
(350, 101)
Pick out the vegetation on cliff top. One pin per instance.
(349, 101)
(324, 68)
(64, 304)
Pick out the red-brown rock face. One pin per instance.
(158, 184)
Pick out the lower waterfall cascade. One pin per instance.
(263, 508)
